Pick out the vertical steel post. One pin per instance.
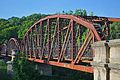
(107, 29)
(41, 40)
(49, 36)
(73, 40)
(27, 42)
(59, 35)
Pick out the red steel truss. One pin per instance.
(12, 45)
(65, 40)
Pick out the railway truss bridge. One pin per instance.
(64, 40)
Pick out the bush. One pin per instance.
(24, 70)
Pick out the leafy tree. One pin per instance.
(78, 12)
(14, 21)
(91, 13)
(16, 27)
(3, 23)
(84, 12)
(70, 12)
(115, 30)
(81, 12)
(22, 30)
(24, 70)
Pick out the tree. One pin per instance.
(23, 29)
(115, 30)
(70, 12)
(16, 27)
(14, 21)
(91, 13)
(81, 12)
(84, 12)
(78, 12)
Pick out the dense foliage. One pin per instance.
(16, 27)
(115, 31)
(25, 70)
(3, 71)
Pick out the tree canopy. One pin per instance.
(16, 27)
(115, 30)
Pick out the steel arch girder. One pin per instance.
(74, 18)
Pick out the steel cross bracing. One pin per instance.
(65, 40)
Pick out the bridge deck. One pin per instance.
(66, 65)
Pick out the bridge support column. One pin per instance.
(107, 60)
(10, 68)
(44, 69)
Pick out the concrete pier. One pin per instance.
(107, 60)
(44, 69)
(10, 68)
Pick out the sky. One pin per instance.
(19, 8)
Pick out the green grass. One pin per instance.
(3, 71)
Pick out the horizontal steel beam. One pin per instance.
(88, 69)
